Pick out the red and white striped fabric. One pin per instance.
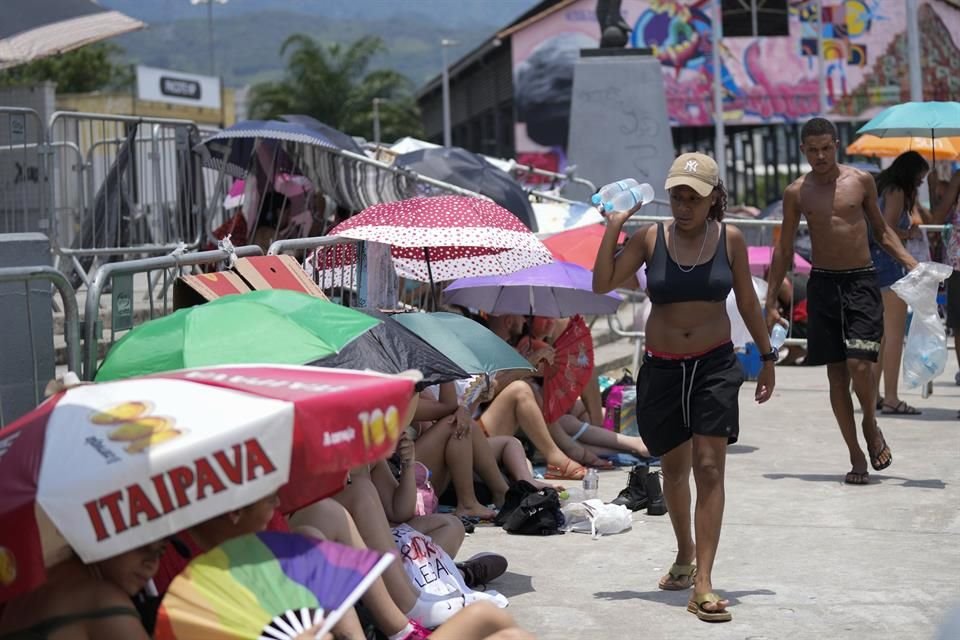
(442, 238)
(106, 468)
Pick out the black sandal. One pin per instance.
(876, 459)
(902, 409)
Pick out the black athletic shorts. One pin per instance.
(953, 300)
(845, 316)
(679, 397)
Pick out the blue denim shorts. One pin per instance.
(888, 269)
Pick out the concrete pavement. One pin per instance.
(802, 556)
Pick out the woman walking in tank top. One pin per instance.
(688, 385)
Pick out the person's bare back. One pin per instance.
(835, 215)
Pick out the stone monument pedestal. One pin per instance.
(619, 126)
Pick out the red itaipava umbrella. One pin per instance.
(106, 468)
(565, 379)
(444, 238)
(580, 245)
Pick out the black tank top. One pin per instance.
(707, 282)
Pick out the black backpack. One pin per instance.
(531, 512)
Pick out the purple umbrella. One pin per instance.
(555, 290)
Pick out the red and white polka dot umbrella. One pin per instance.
(444, 238)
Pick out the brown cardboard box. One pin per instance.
(189, 291)
(276, 272)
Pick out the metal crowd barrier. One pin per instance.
(616, 326)
(71, 320)
(123, 278)
(331, 261)
(121, 186)
(23, 172)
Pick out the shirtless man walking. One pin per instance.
(843, 299)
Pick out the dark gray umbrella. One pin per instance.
(390, 347)
(30, 30)
(470, 171)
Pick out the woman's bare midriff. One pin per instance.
(687, 327)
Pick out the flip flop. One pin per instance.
(902, 409)
(679, 577)
(695, 606)
(857, 477)
(875, 461)
(570, 471)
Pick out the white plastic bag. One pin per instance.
(925, 354)
(738, 329)
(596, 518)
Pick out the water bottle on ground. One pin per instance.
(626, 200)
(591, 483)
(779, 335)
(608, 191)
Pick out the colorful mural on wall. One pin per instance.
(764, 79)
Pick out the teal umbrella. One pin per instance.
(471, 345)
(269, 327)
(921, 119)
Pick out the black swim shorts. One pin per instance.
(682, 396)
(845, 316)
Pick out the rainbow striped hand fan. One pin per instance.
(268, 586)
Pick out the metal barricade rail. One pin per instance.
(23, 171)
(119, 277)
(616, 326)
(121, 186)
(71, 321)
(331, 261)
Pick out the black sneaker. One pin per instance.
(656, 505)
(634, 495)
(482, 568)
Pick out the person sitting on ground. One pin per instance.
(579, 439)
(84, 601)
(447, 445)
(490, 454)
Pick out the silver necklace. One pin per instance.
(673, 237)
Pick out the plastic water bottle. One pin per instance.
(779, 335)
(608, 191)
(626, 200)
(591, 483)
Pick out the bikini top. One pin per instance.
(667, 283)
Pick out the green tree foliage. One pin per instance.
(89, 68)
(332, 83)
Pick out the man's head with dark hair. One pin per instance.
(818, 142)
(817, 127)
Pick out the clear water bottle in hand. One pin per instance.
(607, 192)
(591, 483)
(779, 335)
(627, 200)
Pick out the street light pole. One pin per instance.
(376, 121)
(821, 71)
(913, 52)
(720, 141)
(447, 133)
(209, 4)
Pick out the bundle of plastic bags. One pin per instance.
(925, 354)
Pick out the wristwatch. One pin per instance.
(772, 356)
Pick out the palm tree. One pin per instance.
(331, 83)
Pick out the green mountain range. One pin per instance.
(248, 33)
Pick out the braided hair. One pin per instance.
(720, 206)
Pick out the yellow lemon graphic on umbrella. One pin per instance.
(121, 413)
(8, 567)
(138, 446)
(141, 428)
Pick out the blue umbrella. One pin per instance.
(234, 145)
(923, 119)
